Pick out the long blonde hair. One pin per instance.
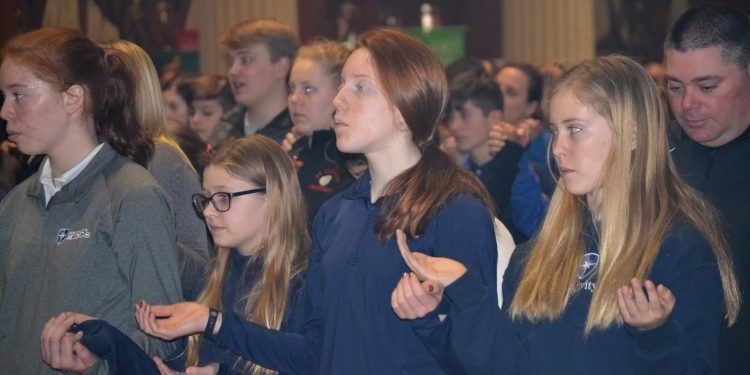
(260, 161)
(641, 199)
(147, 97)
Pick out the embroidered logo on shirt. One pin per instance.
(588, 265)
(61, 234)
(324, 178)
(66, 235)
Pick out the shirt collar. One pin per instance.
(360, 188)
(53, 185)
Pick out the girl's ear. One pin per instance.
(73, 99)
(400, 122)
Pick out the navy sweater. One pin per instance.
(352, 328)
(487, 341)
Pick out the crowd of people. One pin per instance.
(320, 210)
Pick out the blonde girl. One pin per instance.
(583, 296)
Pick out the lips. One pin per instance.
(695, 123)
(12, 135)
(215, 229)
(339, 125)
(565, 171)
(238, 86)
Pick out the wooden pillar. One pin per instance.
(535, 31)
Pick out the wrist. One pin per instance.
(213, 317)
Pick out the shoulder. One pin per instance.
(129, 181)
(683, 250)
(166, 154)
(169, 167)
(464, 207)
(17, 196)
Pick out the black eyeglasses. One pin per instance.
(221, 200)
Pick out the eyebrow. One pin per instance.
(698, 79)
(572, 119)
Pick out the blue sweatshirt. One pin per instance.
(352, 328)
(487, 341)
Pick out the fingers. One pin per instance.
(627, 303)
(410, 299)
(403, 248)
(667, 299)
(60, 348)
(654, 304)
(147, 321)
(433, 287)
(51, 339)
(645, 310)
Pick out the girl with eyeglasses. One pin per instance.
(252, 204)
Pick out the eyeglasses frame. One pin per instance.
(229, 203)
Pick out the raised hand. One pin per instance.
(498, 137)
(645, 311)
(443, 270)
(289, 140)
(412, 299)
(180, 319)
(61, 349)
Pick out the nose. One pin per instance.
(559, 147)
(454, 122)
(210, 210)
(690, 99)
(339, 101)
(293, 97)
(233, 68)
(5, 112)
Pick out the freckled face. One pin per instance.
(34, 110)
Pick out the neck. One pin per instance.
(262, 112)
(480, 155)
(385, 166)
(77, 143)
(594, 200)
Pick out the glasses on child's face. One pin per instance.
(221, 200)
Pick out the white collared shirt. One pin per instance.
(53, 185)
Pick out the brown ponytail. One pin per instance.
(117, 119)
(419, 193)
(64, 57)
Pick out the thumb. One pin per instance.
(433, 287)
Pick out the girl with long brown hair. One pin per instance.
(392, 95)
(629, 273)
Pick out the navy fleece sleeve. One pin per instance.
(687, 343)
(466, 234)
(292, 351)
